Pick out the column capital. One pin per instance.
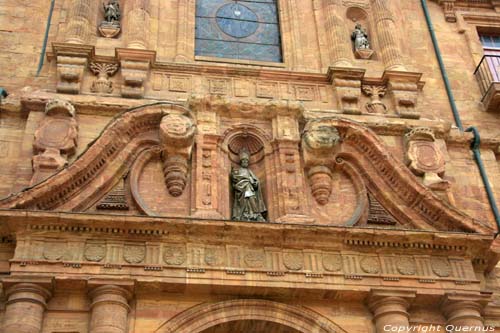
(453, 303)
(383, 301)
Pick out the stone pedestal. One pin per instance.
(347, 86)
(390, 310)
(109, 309)
(25, 307)
(463, 312)
(72, 60)
(135, 67)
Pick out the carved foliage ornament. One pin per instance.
(103, 71)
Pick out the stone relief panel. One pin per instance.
(183, 85)
(240, 259)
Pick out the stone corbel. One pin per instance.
(424, 158)
(72, 59)
(404, 87)
(177, 132)
(55, 139)
(318, 143)
(449, 10)
(347, 86)
(135, 68)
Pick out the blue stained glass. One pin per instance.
(238, 29)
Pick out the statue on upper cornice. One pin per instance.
(112, 11)
(110, 27)
(360, 38)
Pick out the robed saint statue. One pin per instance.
(248, 202)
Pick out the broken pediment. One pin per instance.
(154, 160)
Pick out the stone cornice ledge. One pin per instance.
(267, 234)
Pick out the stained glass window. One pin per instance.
(238, 29)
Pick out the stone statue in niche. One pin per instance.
(110, 27)
(248, 200)
(362, 46)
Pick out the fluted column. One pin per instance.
(25, 307)
(79, 22)
(109, 309)
(390, 310)
(137, 29)
(387, 37)
(338, 37)
(463, 313)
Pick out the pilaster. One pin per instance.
(463, 311)
(390, 309)
(336, 30)
(79, 27)
(109, 307)
(137, 30)
(26, 304)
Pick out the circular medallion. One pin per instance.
(134, 254)
(95, 252)
(53, 251)
(293, 261)
(237, 20)
(332, 262)
(441, 267)
(254, 258)
(370, 265)
(406, 265)
(174, 255)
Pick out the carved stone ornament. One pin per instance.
(54, 250)
(110, 27)
(424, 157)
(214, 256)
(318, 142)
(177, 137)
(441, 267)
(375, 93)
(174, 255)
(55, 139)
(293, 260)
(134, 254)
(103, 71)
(94, 252)
(332, 262)
(370, 265)
(254, 258)
(406, 265)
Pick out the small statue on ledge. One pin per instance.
(110, 27)
(361, 43)
(112, 11)
(248, 200)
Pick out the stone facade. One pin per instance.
(115, 163)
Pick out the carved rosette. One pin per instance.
(95, 252)
(441, 267)
(332, 262)
(254, 258)
(370, 265)
(294, 261)
(55, 139)
(177, 138)
(318, 143)
(406, 265)
(174, 255)
(424, 157)
(134, 254)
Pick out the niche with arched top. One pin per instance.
(357, 15)
(252, 141)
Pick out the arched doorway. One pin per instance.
(253, 326)
(248, 315)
